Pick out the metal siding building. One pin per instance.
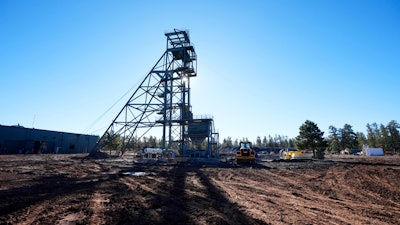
(18, 139)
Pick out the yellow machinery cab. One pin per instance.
(245, 153)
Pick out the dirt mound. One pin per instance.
(99, 155)
(63, 190)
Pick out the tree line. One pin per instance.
(378, 136)
(276, 141)
(338, 139)
(310, 137)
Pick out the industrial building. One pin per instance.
(20, 140)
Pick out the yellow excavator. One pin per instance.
(245, 153)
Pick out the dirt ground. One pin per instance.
(63, 189)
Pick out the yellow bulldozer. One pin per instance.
(245, 153)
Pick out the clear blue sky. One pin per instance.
(264, 67)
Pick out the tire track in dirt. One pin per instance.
(230, 212)
(57, 199)
(340, 196)
(56, 211)
(293, 199)
(98, 207)
(328, 195)
(261, 186)
(247, 194)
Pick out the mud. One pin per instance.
(64, 189)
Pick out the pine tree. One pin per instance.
(264, 142)
(333, 140)
(348, 138)
(392, 128)
(258, 141)
(311, 138)
(362, 140)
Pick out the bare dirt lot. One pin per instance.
(63, 189)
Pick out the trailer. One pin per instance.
(374, 152)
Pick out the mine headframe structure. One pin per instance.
(162, 100)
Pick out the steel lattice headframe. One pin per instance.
(162, 100)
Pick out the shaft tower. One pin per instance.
(162, 100)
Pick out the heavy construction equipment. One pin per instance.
(245, 153)
(294, 154)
